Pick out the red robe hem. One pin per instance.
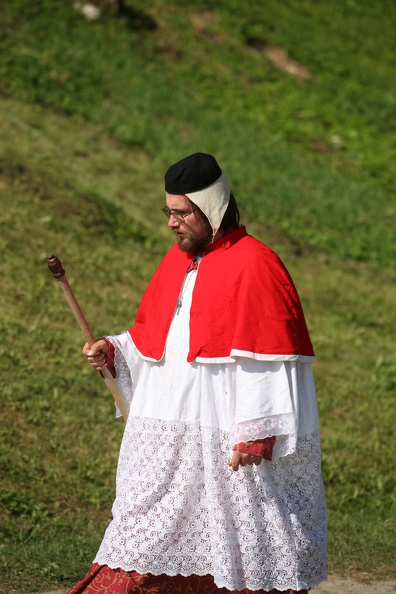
(101, 579)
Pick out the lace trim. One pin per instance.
(125, 382)
(282, 426)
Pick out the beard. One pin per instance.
(192, 243)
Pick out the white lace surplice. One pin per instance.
(179, 508)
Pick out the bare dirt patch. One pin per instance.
(281, 59)
(338, 585)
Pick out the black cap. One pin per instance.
(192, 174)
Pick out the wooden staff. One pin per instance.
(55, 266)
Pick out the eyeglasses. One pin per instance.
(179, 216)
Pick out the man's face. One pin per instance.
(192, 233)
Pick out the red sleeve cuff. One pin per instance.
(259, 447)
(110, 358)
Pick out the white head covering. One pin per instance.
(213, 201)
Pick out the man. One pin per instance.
(219, 485)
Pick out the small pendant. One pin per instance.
(178, 306)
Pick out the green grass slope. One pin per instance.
(314, 156)
(91, 114)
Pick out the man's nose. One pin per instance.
(173, 222)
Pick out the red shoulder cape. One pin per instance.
(244, 300)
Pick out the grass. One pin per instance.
(90, 116)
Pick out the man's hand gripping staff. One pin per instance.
(55, 266)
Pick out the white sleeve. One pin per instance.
(274, 398)
(127, 364)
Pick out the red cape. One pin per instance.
(243, 300)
